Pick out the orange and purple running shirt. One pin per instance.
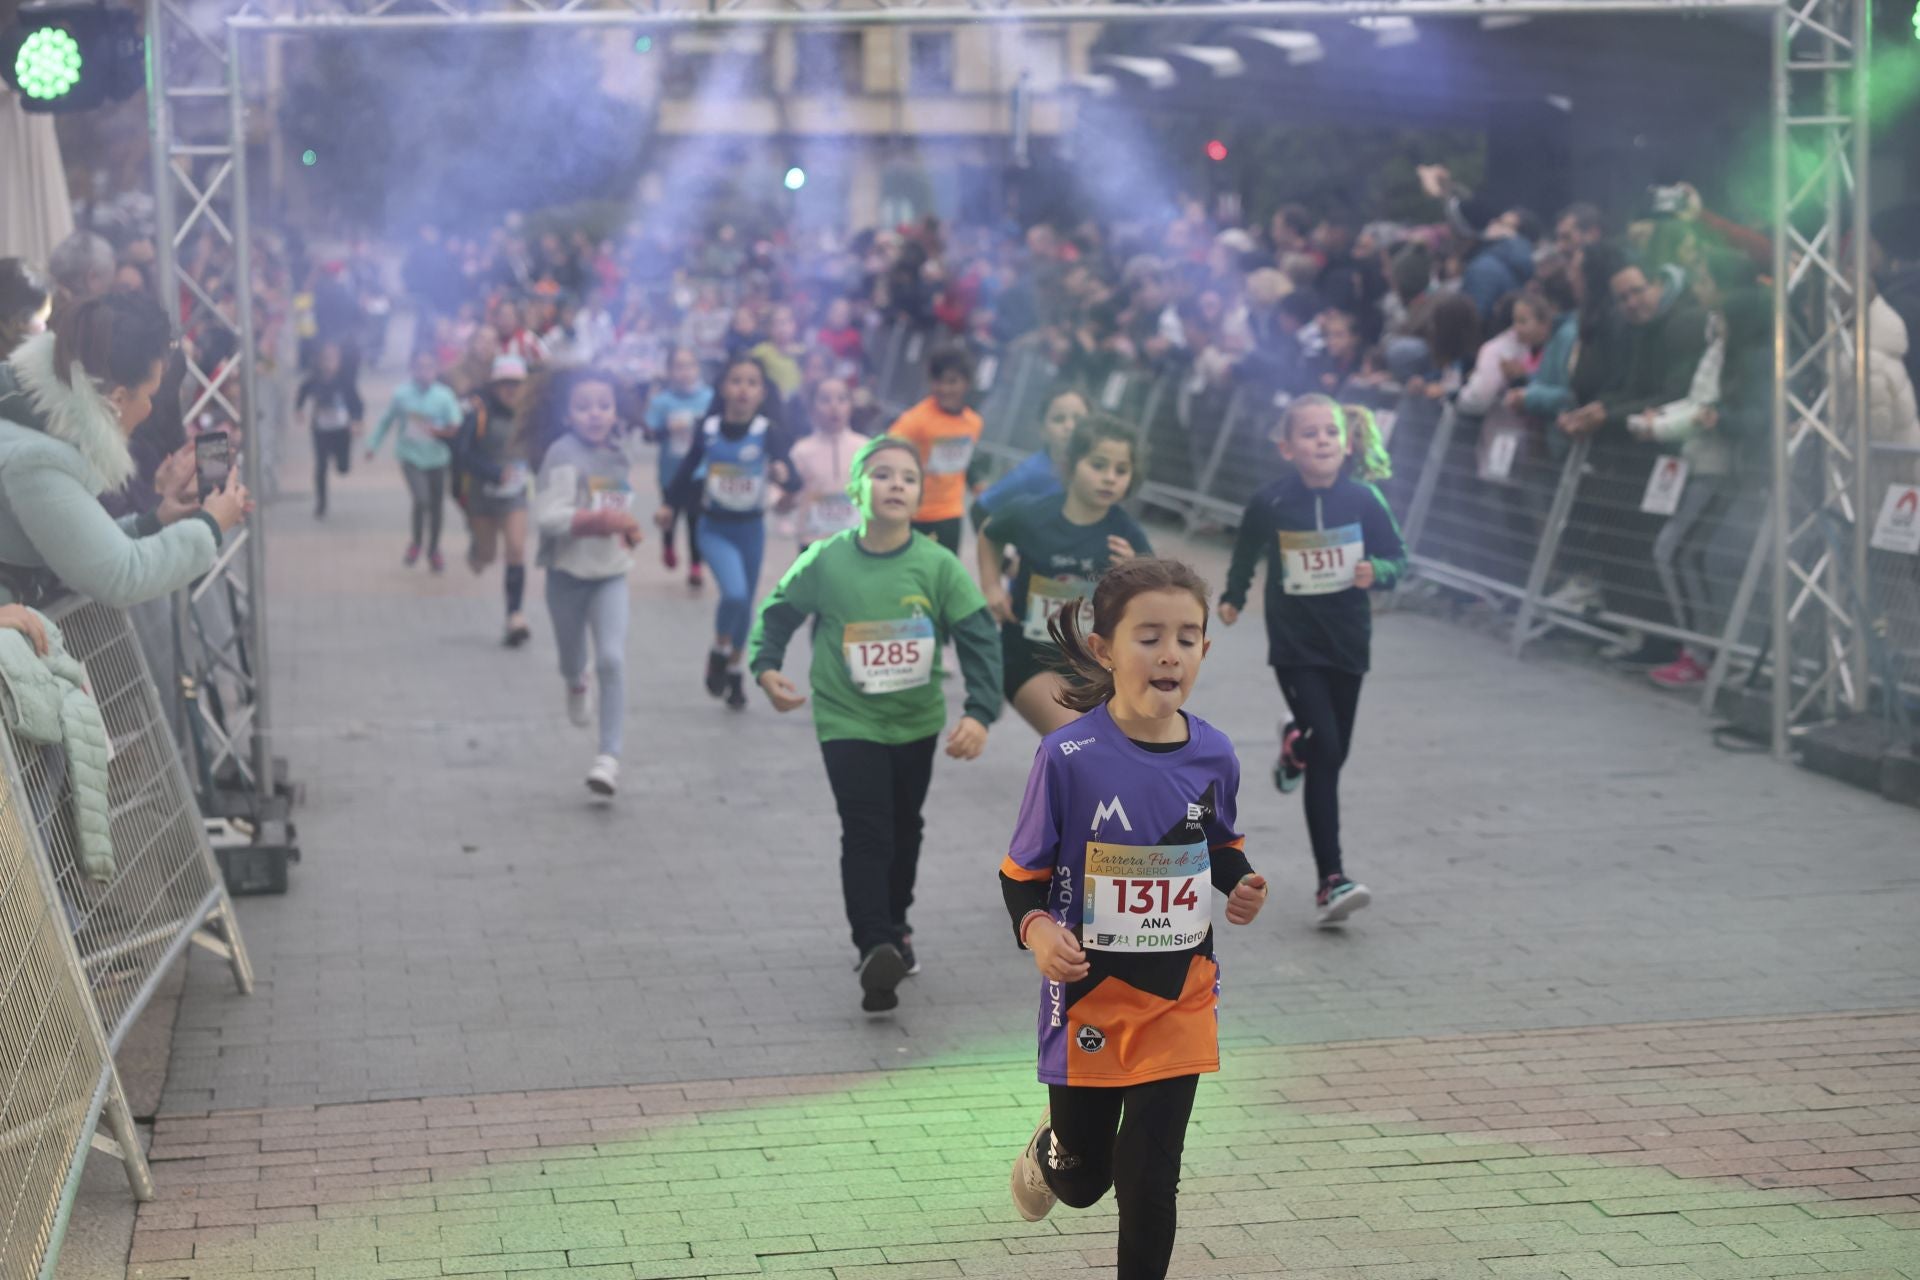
(1125, 845)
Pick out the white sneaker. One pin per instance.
(1033, 1199)
(604, 778)
(577, 709)
(1578, 594)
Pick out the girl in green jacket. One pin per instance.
(886, 601)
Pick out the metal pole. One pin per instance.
(965, 16)
(160, 130)
(1860, 158)
(253, 429)
(1782, 521)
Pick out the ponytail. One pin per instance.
(1089, 681)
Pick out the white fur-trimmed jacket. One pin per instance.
(61, 448)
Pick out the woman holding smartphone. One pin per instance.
(69, 398)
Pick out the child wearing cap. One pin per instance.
(490, 484)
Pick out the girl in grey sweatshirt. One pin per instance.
(583, 510)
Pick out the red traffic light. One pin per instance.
(1216, 151)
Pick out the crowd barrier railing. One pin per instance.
(1586, 535)
(165, 890)
(59, 1073)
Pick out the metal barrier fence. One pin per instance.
(117, 936)
(58, 1072)
(1590, 535)
(166, 889)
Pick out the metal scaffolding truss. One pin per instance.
(1820, 644)
(1821, 639)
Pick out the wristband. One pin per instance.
(1027, 920)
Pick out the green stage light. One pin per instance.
(48, 64)
(643, 44)
(796, 178)
(72, 55)
(309, 158)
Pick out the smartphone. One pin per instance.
(213, 460)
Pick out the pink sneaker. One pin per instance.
(413, 555)
(1678, 674)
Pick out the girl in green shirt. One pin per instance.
(886, 601)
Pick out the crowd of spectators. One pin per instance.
(1654, 334)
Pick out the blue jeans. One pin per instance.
(733, 549)
(599, 605)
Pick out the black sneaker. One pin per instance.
(716, 673)
(1288, 769)
(881, 971)
(907, 956)
(736, 692)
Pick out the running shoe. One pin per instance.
(518, 633)
(694, 580)
(906, 954)
(1033, 1199)
(881, 971)
(1339, 898)
(736, 692)
(1680, 673)
(577, 709)
(716, 673)
(604, 778)
(668, 556)
(413, 555)
(1288, 769)
(436, 562)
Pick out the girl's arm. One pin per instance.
(1027, 871)
(554, 491)
(387, 420)
(682, 490)
(991, 556)
(1385, 550)
(780, 449)
(976, 639)
(1248, 547)
(781, 614)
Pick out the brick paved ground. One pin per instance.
(1552, 849)
(1715, 1150)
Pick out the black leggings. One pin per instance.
(331, 447)
(1129, 1139)
(879, 790)
(1324, 702)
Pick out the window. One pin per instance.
(930, 62)
(720, 66)
(827, 62)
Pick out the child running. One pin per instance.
(430, 417)
(1065, 542)
(1039, 473)
(1126, 827)
(1327, 539)
(583, 507)
(334, 412)
(735, 452)
(886, 601)
(824, 463)
(493, 486)
(944, 431)
(671, 414)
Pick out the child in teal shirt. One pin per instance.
(428, 416)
